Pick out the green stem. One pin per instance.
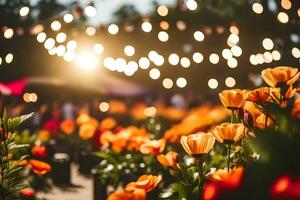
(228, 159)
(232, 116)
(201, 173)
(185, 177)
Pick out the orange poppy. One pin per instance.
(232, 178)
(67, 126)
(39, 167)
(282, 75)
(168, 160)
(137, 194)
(146, 182)
(39, 151)
(153, 146)
(108, 123)
(259, 95)
(229, 133)
(263, 122)
(198, 144)
(86, 131)
(232, 99)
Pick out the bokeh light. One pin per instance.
(167, 83)
(213, 83)
(55, 25)
(103, 106)
(147, 27)
(257, 8)
(162, 10)
(181, 82)
(113, 29)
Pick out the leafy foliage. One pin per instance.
(11, 178)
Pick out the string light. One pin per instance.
(234, 30)
(52, 51)
(72, 45)
(213, 83)
(120, 64)
(68, 18)
(61, 37)
(113, 29)
(227, 54)
(55, 25)
(41, 37)
(199, 36)
(236, 51)
(163, 36)
(233, 38)
(230, 82)
(129, 50)
(232, 63)
(296, 52)
(276, 55)
(144, 63)
(253, 60)
(181, 82)
(90, 31)
(173, 59)
(131, 68)
(24, 11)
(164, 25)
(214, 58)
(286, 4)
(162, 10)
(191, 5)
(260, 58)
(185, 62)
(8, 33)
(9, 58)
(181, 25)
(103, 106)
(154, 73)
(90, 11)
(283, 17)
(268, 58)
(60, 50)
(197, 57)
(268, 44)
(69, 56)
(98, 48)
(147, 27)
(49, 43)
(167, 83)
(0, 61)
(257, 8)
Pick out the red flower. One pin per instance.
(39, 151)
(27, 192)
(39, 167)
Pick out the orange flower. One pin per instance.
(259, 95)
(168, 160)
(137, 194)
(198, 144)
(43, 135)
(108, 123)
(153, 146)
(229, 133)
(146, 182)
(296, 109)
(263, 122)
(232, 99)
(39, 151)
(27, 192)
(280, 76)
(86, 131)
(23, 163)
(67, 126)
(231, 179)
(39, 167)
(82, 119)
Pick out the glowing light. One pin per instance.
(164, 25)
(296, 52)
(163, 36)
(268, 44)
(68, 18)
(113, 29)
(120, 64)
(49, 43)
(281, 184)
(41, 37)
(150, 111)
(129, 50)
(213, 83)
(55, 25)
(87, 61)
(286, 4)
(103, 106)
(181, 82)
(8, 33)
(226, 53)
(30, 97)
(0, 61)
(152, 55)
(52, 51)
(162, 10)
(276, 55)
(233, 38)
(260, 58)
(90, 11)
(61, 37)
(283, 17)
(199, 36)
(181, 25)
(252, 60)
(159, 60)
(230, 82)
(232, 63)
(60, 50)
(236, 51)
(109, 63)
(72, 45)
(173, 59)
(98, 49)
(214, 58)
(147, 27)
(24, 11)
(154, 73)
(90, 31)
(185, 62)
(69, 56)
(268, 58)
(257, 8)
(144, 63)
(167, 83)
(191, 4)
(197, 57)
(131, 68)
(9, 58)
(234, 30)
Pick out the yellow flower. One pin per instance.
(229, 133)
(232, 99)
(198, 144)
(280, 76)
(168, 160)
